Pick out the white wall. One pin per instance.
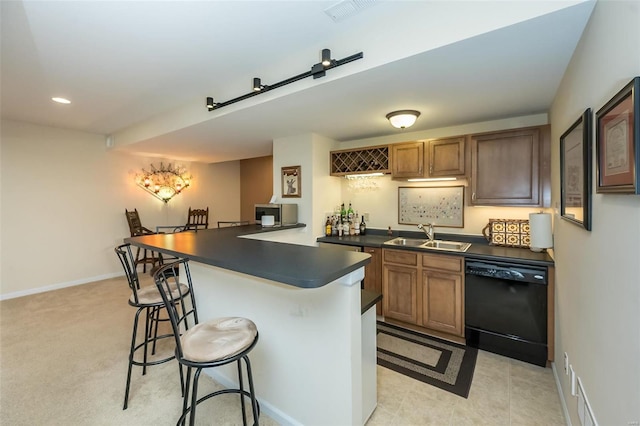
(63, 201)
(598, 272)
(319, 190)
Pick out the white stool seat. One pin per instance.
(218, 339)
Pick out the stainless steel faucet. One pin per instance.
(427, 231)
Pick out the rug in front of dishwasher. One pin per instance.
(446, 365)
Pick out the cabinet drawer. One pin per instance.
(401, 257)
(442, 262)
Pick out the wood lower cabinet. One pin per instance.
(442, 293)
(400, 285)
(426, 290)
(373, 274)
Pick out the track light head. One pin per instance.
(326, 57)
(210, 104)
(257, 85)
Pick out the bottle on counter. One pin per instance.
(340, 228)
(327, 227)
(350, 213)
(356, 225)
(334, 225)
(363, 226)
(345, 228)
(352, 228)
(343, 214)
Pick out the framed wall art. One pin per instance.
(291, 182)
(440, 205)
(618, 142)
(575, 172)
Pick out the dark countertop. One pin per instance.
(293, 264)
(368, 299)
(480, 248)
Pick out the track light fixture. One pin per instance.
(210, 104)
(326, 57)
(257, 85)
(318, 70)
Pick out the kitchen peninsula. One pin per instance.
(315, 358)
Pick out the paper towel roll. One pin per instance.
(540, 231)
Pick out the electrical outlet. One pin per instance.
(566, 364)
(366, 217)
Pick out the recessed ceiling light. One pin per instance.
(61, 100)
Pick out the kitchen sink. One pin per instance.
(429, 244)
(447, 245)
(408, 242)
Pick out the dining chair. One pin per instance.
(136, 229)
(147, 300)
(196, 219)
(200, 345)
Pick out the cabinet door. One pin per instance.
(400, 286)
(505, 168)
(442, 302)
(373, 274)
(407, 160)
(447, 157)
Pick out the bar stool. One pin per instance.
(208, 344)
(147, 300)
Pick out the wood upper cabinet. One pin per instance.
(508, 167)
(442, 294)
(373, 274)
(400, 285)
(446, 157)
(407, 160)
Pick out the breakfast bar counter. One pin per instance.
(315, 360)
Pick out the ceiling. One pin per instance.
(140, 71)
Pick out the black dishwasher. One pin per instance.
(506, 309)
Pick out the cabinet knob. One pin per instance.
(431, 168)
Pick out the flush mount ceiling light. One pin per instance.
(318, 70)
(61, 100)
(403, 118)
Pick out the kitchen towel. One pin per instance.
(540, 228)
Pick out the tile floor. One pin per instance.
(503, 392)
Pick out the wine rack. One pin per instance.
(362, 160)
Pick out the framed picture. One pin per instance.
(575, 172)
(291, 182)
(618, 141)
(441, 205)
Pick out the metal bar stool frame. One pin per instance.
(152, 319)
(162, 278)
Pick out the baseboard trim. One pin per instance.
(565, 410)
(265, 407)
(59, 286)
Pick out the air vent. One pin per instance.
(347, 8)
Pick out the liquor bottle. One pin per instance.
(334, 225)
(356, 225)
(343, 214)
(363, 226)
(350, 213)
(340, 228)
(327, 228)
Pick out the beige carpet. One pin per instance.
(63, 361)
